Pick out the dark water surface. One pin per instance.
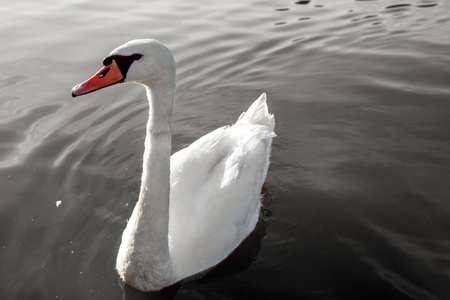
(360, 168)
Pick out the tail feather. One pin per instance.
(258, 114)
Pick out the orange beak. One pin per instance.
(107, 76)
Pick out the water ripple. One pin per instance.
(28, 132)
(358, 175)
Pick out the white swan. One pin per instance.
(214, 185)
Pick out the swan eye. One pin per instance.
(136, 56)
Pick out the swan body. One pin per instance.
(198, 205)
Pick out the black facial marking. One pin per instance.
(123, 62)
(107, 61)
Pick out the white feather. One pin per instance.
(199, 205)
(215, 190)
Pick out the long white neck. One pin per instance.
(144, 260)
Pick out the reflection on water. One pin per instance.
(358, 175)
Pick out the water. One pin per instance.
(360, 167)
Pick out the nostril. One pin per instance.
(104, 72)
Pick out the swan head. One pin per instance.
(143, 61)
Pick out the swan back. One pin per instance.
(216, 189)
